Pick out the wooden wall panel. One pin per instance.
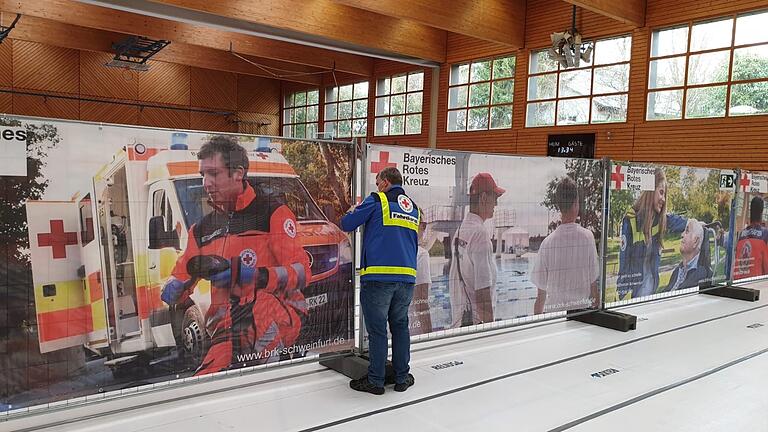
(461, 48)
(213, 89)
(109, 113)
(725, 142)
(258, 95)
(166, 83)
(162, 117)
(44, 67)
(96, 79)
(211, 122)
(666, 12)
(6, 64)
(249, 123)
(544, 17)
(40, 106)
(35, 67)
(6, 103)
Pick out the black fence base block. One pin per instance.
(605, 318)
(351, 366)
(355, 366)
(734, 292)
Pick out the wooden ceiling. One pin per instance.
(292, 40)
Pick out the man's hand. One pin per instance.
(172, 291)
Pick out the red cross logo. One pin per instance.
(248, 258)
(744, 182)
(405, 203)
(617, 177)
(382, 163)
(289, 226)
(262, 156)
(57, 239)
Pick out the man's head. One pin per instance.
(484, 194)
(388, 177)
(690, 244)
(756, 210)
(567, 199)
(224, 166)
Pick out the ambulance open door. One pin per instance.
(63, 310)
(117, 259)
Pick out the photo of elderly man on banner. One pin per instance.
(499, 234)
(666, 230)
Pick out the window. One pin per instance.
(594, 92)
(300, 114)
(399, 104)
(480, 95)
(346, 110)
(711, 68)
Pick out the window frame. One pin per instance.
(728, 83)
(388, 95)
(335, 121)
(590, 96)
(293, 106)
(490, 105)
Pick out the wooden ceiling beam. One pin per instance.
(625, 11)
(111, 20)
(499, 21)
(62, 35)
(318, 21)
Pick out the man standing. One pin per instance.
(566, 269)
(256, 286)
(387, 277)
(751, 248)
(472, 278)
(689, 272)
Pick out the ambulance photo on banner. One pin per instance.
(751, 249)
(501, 237)
(667, 229)
(135, 255)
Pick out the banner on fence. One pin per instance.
(751, 237)
(136, 255)
(666, 229)
(502, 237)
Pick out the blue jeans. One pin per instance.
(382, 302)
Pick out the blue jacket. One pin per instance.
(632, 253)
(390, 237)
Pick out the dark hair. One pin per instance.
(756, 209)
(392, 175)
(233, 154)
(566, 194)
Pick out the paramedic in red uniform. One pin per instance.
(752, 246)
(256, 304)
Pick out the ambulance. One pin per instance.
(100, 260)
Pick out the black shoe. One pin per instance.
(409, 381)
(364, 385)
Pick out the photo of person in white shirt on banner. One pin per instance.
(472, 279)
(566, 270)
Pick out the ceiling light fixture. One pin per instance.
(567, 47)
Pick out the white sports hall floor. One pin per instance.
(695, 363)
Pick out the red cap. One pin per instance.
(484, 182)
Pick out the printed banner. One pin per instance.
(751, 239)
(666, 230)
(502, 237)
(134, 256)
